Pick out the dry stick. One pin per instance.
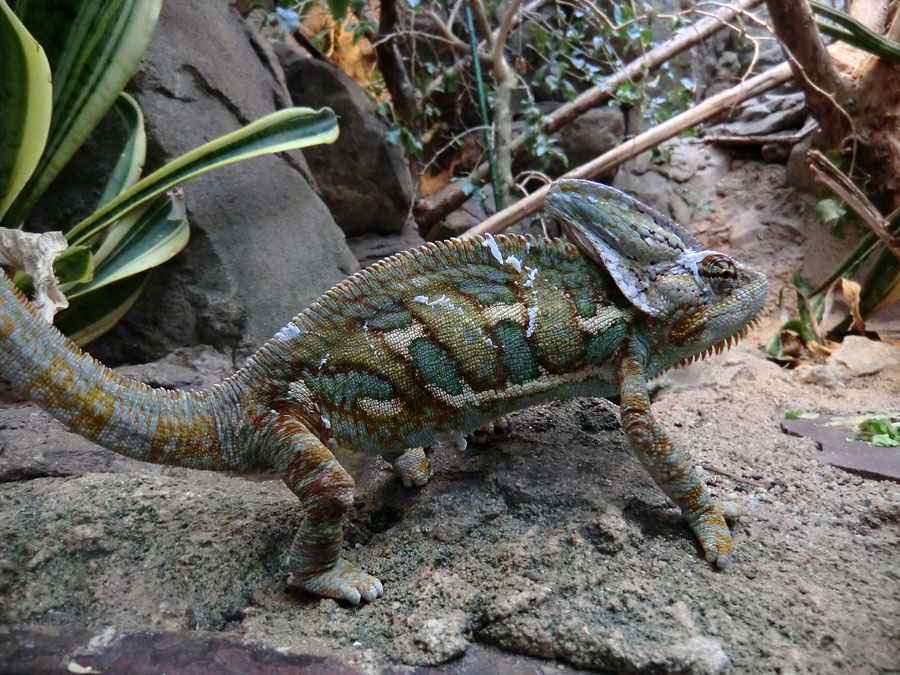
(640, 143)
(836, 181)
(431, 209)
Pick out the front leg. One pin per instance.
(325, 491)
(671, 468)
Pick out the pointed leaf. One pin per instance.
(147, 237)
(283, 130)
(131, 162)
(25, 95)
(94, 47)
(91, 315)
(74, 265)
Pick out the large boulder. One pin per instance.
(263, 244)
(364, 179)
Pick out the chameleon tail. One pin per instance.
(128, 417)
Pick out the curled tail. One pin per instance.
(193, 429)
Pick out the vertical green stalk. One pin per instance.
(482, 106)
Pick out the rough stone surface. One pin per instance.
(256, 225)
(861, 356)
(370, 248)
(550, 542)
(766, 114)
(364, 179)
(590, 135)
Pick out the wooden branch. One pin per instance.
(434, 208)
(483, 22)
(504, 80)
(831, 177)
(825, 87)
(436, 83)
(649, 139)
(390, 65)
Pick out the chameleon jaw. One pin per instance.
(719, 347)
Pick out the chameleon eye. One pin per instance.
(718, 266)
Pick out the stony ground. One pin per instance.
(550, 541)
(545, 550)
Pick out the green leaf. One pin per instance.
(74, 265)
(799, 414)
(94, 47)
(338, 8)
(25, 95)
(148, 236)
(131, 162)
(91, 315)
(283, 130)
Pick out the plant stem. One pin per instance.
(482, 106)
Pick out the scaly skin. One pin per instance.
(430, 343)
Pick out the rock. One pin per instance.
(588, 136)
(824, 376)
(799, 174)
(473, 211)
(765, 114)
(701, 655)
(595, 132)
(41, 649)
(370, 248)
(364, 179)
(263, 245)
(550, 541)
(860, 356)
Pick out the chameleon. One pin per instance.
(425, 345)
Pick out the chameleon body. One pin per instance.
(426, 344)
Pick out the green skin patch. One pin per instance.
(461, 339)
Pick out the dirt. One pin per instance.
(549, 542)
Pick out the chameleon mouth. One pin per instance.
(720, 347)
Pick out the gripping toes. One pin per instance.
(710, 528)
(344, 581)
(412, 467)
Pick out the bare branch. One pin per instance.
(649, 139)
(829, 175)
(483, 22)
(505, 79)
(795, 26)
(390, 63)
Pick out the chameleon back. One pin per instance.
(447, 337)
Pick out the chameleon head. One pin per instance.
(691, 301)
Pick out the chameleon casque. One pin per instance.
(428, 343)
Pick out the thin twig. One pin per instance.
(731, 476)
(829, 175)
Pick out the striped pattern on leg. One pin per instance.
(325, 491)
(671, 468)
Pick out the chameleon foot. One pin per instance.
(412, 467)
(343, 581)
(711, 529)
(493, 429)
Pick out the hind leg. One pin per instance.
(325, 491)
